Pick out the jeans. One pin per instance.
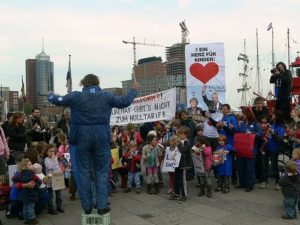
(58, 199)
(134, 177)
(273, 157)
(91, 155)
(290, 205)
(43, 200)
(28, 211)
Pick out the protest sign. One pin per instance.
(150, 108)
(12, 169)
(58, 181)
(205, 75)
(115, 156)
(171, 160)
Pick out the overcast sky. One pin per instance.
(92, 32)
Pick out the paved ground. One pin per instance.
(260, 207)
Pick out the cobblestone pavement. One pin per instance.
(259, 207)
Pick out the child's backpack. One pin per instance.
(4, 196)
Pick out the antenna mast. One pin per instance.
(245, 86)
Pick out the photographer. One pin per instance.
(282, 78)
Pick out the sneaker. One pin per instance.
(52, 212)
(182, 198)
(61, 210)
(72, 198)
(174, 197)
(263, 185)
(218, 189)
(277, 187)
(33, 222)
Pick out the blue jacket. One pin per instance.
(274, 142)
(27, 194)
(229, 119)
(225, 169)
(254, 128)
(91, 107)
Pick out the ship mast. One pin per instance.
(245, 87)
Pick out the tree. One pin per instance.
(28, 108)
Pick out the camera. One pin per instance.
(273, 70)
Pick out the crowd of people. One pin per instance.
(236, 149)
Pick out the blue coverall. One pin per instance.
(90, 136)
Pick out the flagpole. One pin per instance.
(289, 54)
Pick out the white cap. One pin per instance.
(152, 132)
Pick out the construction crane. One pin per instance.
(184, 32)
(134, 43)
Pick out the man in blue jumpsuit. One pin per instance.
(90, 137)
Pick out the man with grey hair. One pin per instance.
(90, 137)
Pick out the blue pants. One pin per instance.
(91, 156)
(42, 200)
(246, 171)
(133, 177)
(28, 211)
(290, 207)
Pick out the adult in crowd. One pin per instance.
(4, 152)
(5, 124)
(261, 114)
(282, 78)
(90, 138)
(62, 125)
(246, 170)
(273, 136)
(36, 128)
(145, 128)
(16, 136)
(294, 128)
(260, 111)
(213, 104)
(227, 126)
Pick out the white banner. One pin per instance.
(150, 108)
(205, 75)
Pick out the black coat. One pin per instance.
(17, 138)
(185, 149)
(290, 186)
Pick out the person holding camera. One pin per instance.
(282, 78)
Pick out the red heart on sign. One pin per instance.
(204, 73)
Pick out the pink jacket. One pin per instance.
(60, 155)
(4, 150)
(207, 157)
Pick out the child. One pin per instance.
(42, 191)
(15, 205)
(171, 153)
(64, 162)
(151, 156)
(296, 158)
(224, 169)
(52, 167)
(199, 134)
(202, 158)
(290, 184)
(184, 147)
(132, 159)
(28, 182)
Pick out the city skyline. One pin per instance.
(92, 32)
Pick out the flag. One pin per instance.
(69, 77)
(270, 27)
(23, 91)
